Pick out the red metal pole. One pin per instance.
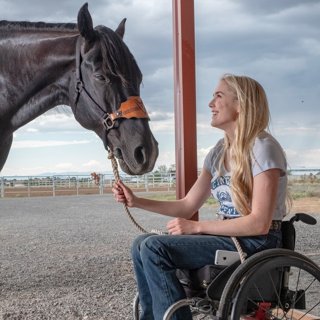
(184, 95)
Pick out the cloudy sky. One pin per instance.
(275, 42)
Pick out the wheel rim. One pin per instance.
(289, 290)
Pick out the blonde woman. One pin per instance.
(245, 172)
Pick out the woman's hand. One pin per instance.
(182, 226)
(123, 194)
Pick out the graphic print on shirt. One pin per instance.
(220, 189)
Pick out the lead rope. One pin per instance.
(242, 254)
(115, 171)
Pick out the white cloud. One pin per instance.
(202, 152)
(273, 41)
(44, 144)
(166, 158)
(161, 116)
(311, 46)
(282, 64)
(166, 125)
(64, 166)
(52, 122)
(31, 130)
(91, 163)
(308, 158)
(24, 171)
(293, 127)
(97, 166)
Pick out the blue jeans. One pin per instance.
(156, 258)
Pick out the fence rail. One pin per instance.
(80, 184)
(30, 186)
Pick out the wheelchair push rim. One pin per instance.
(297, 286)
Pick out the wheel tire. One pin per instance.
(244, 284)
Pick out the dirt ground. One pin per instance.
(307, 205)
(68, 257)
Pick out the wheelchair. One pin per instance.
(272, 284)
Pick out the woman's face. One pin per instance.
(225, 108)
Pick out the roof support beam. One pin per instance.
(184, 95)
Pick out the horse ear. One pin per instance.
(85, 24)
(121, 28)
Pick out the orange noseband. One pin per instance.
(132, 108)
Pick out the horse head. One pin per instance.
(106, 89)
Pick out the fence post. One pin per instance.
(101, 176)
(77, 184)
(2, 187)
(29, 188)
(53, 186)
(146, 182)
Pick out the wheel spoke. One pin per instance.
(280, 284)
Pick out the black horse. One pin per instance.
(43, 65)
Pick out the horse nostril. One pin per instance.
(118, 153)
(139, 155)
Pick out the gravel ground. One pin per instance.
(68, 257)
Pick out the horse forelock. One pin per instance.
(40, 26)
(116, 56)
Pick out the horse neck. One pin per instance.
(37, 67)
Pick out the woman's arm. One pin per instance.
(265, 187)
(183, 208)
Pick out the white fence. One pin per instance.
(80, 184)
(18, 186)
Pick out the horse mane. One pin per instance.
(41, 26)
(116, 56)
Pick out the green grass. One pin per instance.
(296, 190)
(169, 196)
(161, 196)
(304, 190)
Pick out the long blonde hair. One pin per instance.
(253, 119)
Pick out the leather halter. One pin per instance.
(133, 107)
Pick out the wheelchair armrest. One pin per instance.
(303, 217)
(289, 232)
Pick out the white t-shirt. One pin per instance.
(266, 154)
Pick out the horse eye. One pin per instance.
(102, 78)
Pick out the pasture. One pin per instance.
(68, 257)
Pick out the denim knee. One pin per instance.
(136, 246)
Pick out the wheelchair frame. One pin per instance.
(265, 286)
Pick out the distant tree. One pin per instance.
(163, 168)
(311, 178)
(172, 168)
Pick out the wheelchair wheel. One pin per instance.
(201, 309)
(272, 284)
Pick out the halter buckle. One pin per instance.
(108, 121)
(79, 86)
